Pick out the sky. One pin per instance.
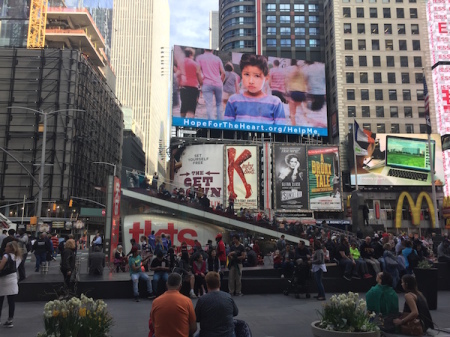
(189, 22)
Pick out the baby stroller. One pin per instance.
(299, 282)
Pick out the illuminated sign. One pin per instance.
(415, 208)
(438, 13)
(441, 88)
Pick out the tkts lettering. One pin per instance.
(188, 235)
(236, 165)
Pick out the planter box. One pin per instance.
(319, 332)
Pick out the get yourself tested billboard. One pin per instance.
(275, 95)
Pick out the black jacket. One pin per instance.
(68, 260)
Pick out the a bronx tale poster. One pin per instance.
(241, 173)
(324, 179)
(200, 167)
(291, 181)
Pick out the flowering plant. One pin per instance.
(76, 318)
(347, 313)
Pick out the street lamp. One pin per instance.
(44, 143)
(106, 163)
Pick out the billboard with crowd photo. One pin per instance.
(290, 180)
(248, 92)
(242, 176)
(324, 178)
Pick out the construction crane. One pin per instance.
(37, 24)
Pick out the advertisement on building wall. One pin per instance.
(324, 178)
(242, 176)
(398, 160)
(441, 88)
(115, 225)
(199, 167)
(290, 177)
(438, 30)
(248, 92)
(446, 161)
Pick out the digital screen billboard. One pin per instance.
(438, 14)
(324, 178)
(398, 160)
(290, 177)
(247, 92)
(441, 88)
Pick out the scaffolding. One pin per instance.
(37, 24)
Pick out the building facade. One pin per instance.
(214, 30)
(141, 32)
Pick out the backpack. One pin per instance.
(9, 268)
(413, 259)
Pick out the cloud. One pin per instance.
(189, 22)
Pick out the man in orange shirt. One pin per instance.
(173, 314)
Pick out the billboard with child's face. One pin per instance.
(248, 92)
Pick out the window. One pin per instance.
(285, 30)
(347, 28)
(314, 19)
(375, 44)
(271, 19)
(423, 128)
(405, 78)
(408, 111)
(365, 111)
(350, 94)
(359, 12)
(377, 78)
(388, 29)
(363, 61)
(350, 77)
(271, 42)
(285, 42)
(349, 61)
(400, 13)
(392, 94)
(421, 112)
(346, 12)
(271, 7)
(367, 126)
(394, 111)
(313, 8)
(390, 61)
(413, 13)
(419, 78)
(363, 78)
(416, 44)
(364, 95)
(386, 13)
(402, 44)
(391, 77)
(381, 128)
(404, 61)
(419, 93)
(300, 42)
(376, 61)
(348, 44)
(373, 1)
(285, 7)
(389, 45)
(299, 31)
(314, 31)
(409, 128)
(415, 29)
(379, 111)
(285, 19)
(351, 111)
(299, 19)
(374, 28)
(361, 44)
(271, 31)
(395, 128)
(417, 61)
(314, 43)
(386, 1)
(406, 94)
(299, 8)
(373, 13)
(401, 29)
(378, 94)
(361, 27)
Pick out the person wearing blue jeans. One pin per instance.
(136, 273)
(318, 267)
(40, 247)
(161, 268)
(346, 260)
(208, 92)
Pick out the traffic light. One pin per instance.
(70, 202)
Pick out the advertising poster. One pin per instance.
(324, 178)
(291, 182)
(398, 160)
(248, 92)
(242, 176)
(199, 167)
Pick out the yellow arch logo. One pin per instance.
(415, 208)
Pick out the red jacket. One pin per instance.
(221, 252)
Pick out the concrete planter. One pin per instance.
(319, 332)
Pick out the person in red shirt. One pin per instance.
(221, 252)
(55, 242)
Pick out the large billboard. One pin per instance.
(438, 14)
(247, 92)
(242, 175)
(290, 177)
(441, 88)
(398, 160)
(199, 167)
(324, 178)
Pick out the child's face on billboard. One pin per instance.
(253, 80)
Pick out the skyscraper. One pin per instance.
(214, 30)
(139, 44)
